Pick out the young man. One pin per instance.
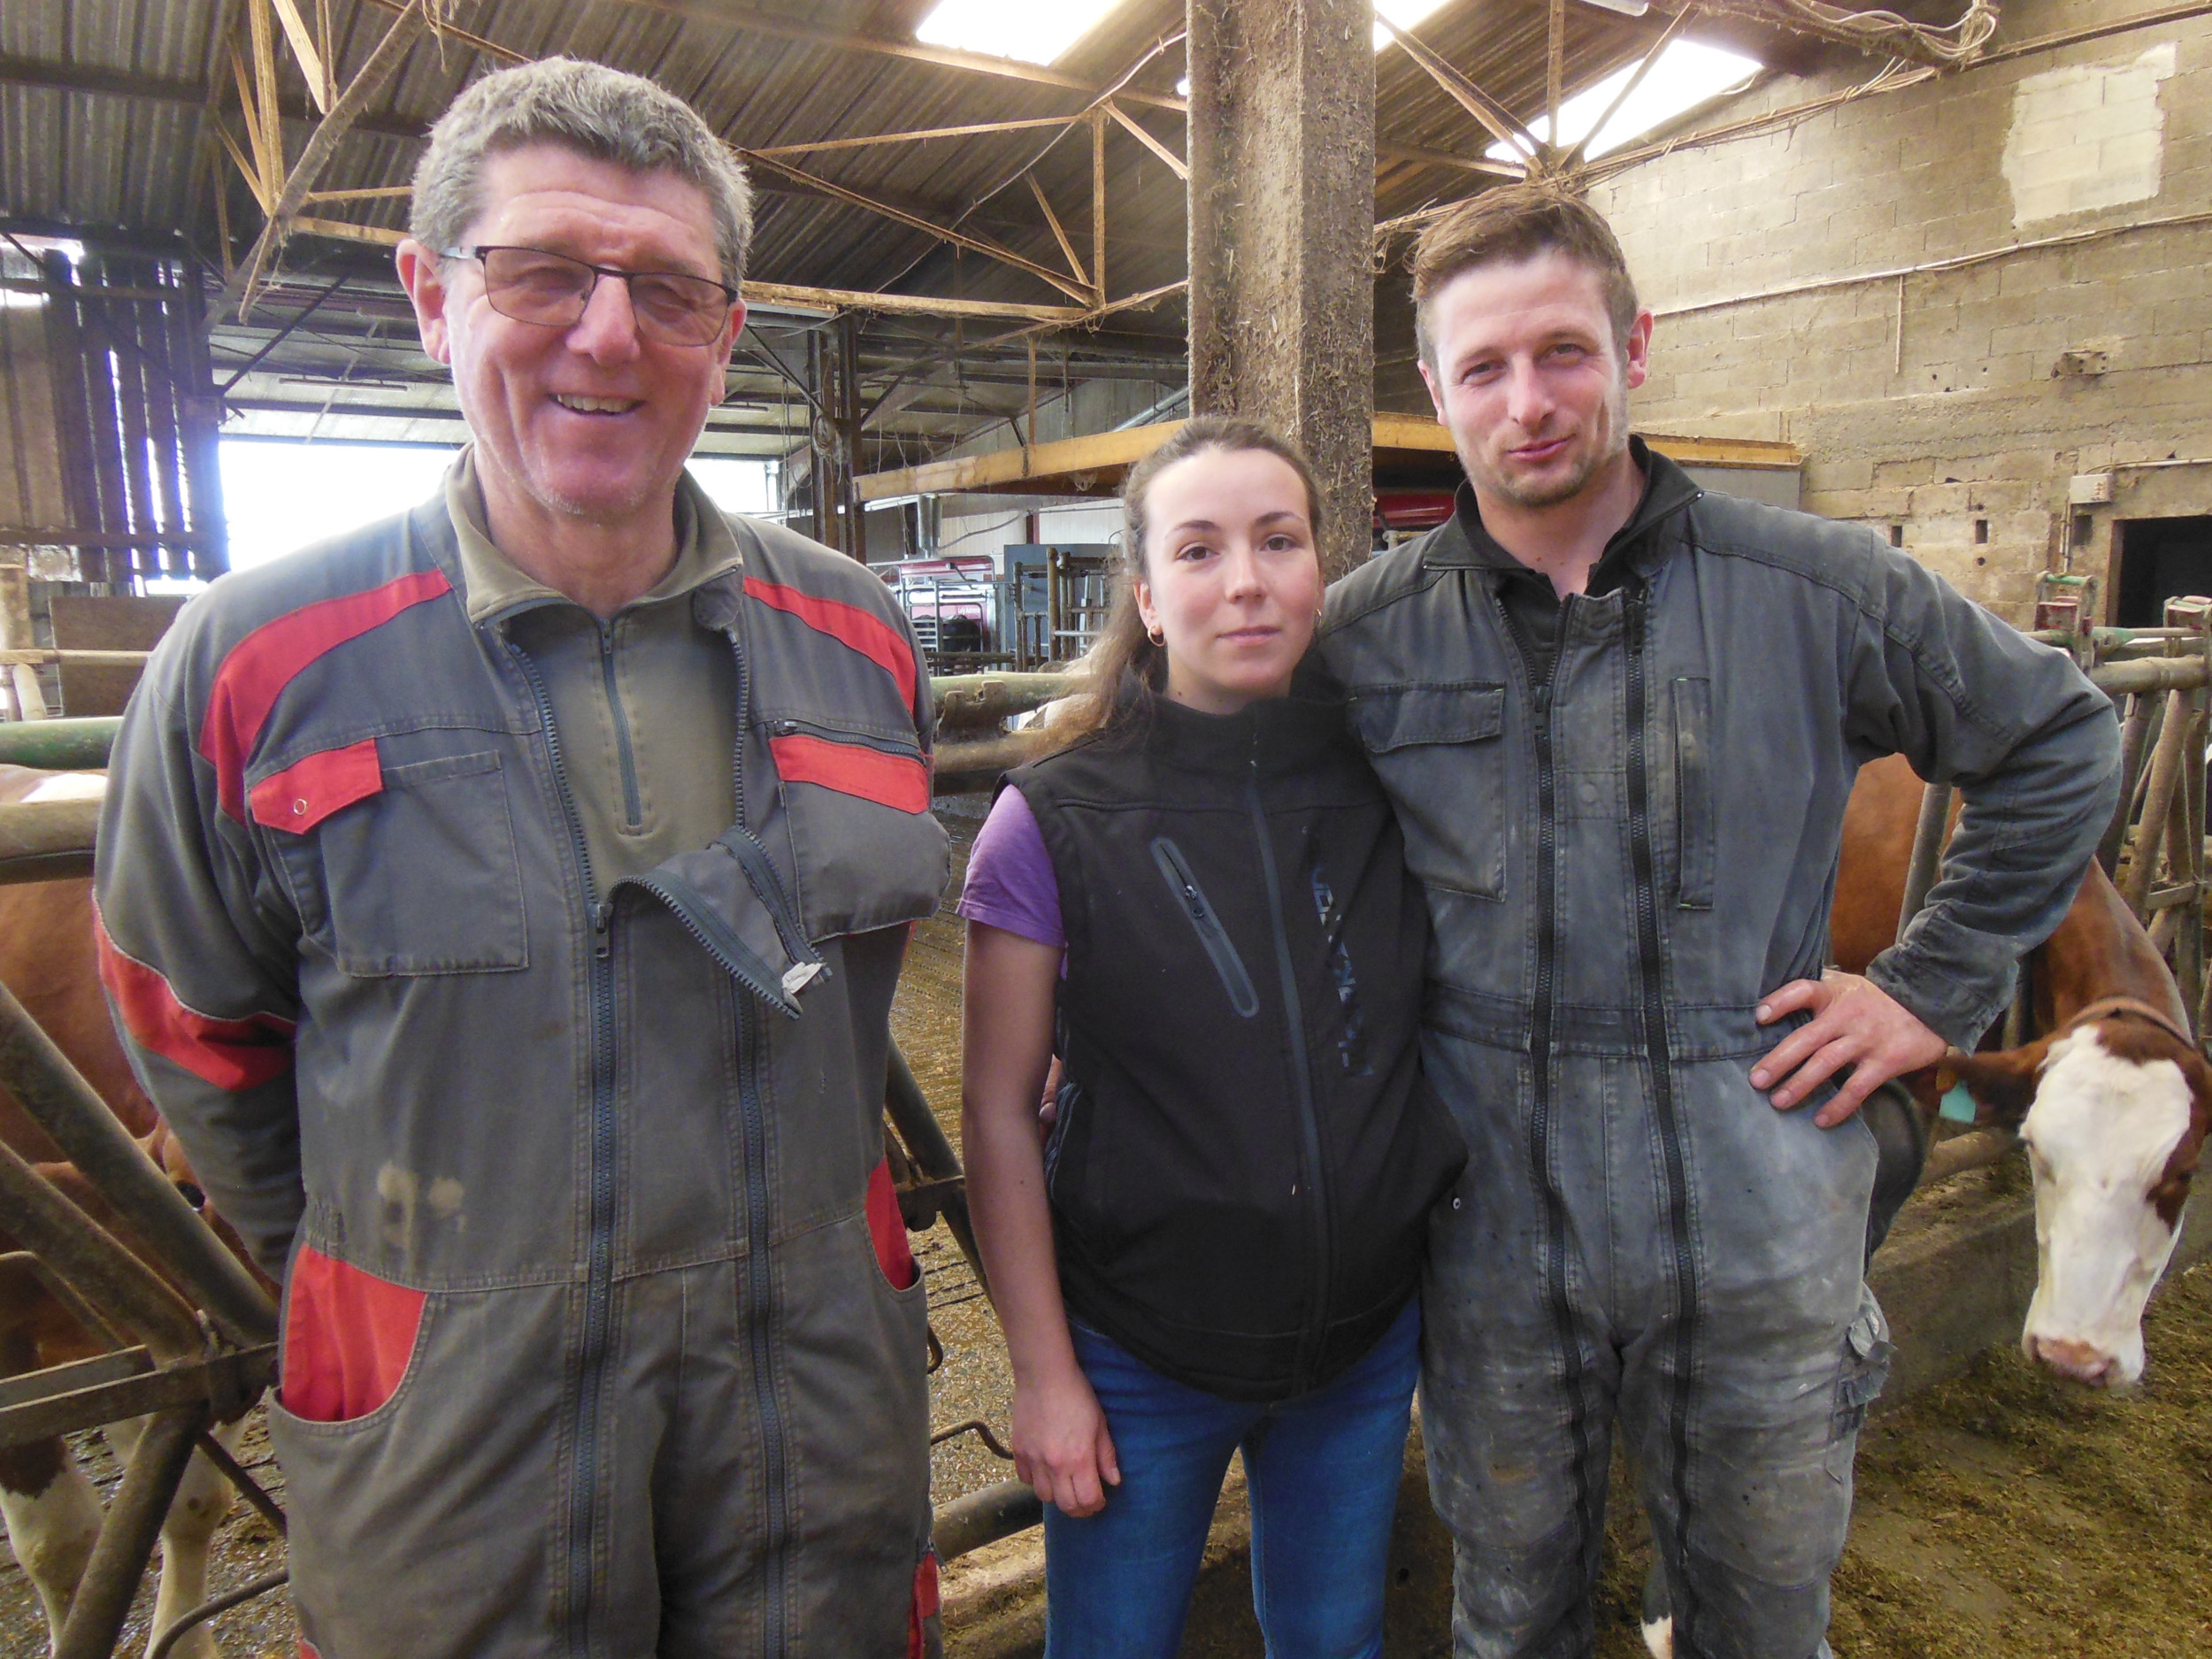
(503, 903)
(1619, 718)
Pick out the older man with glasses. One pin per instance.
(504, 903)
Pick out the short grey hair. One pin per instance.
(594, 111)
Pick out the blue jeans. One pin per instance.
(1323, 1472)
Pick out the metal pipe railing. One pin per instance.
(50, 1089)
(125, 1291)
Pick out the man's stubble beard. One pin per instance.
(1534, 497)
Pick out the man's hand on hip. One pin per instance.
(1855, 1023)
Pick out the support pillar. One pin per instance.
(1282, 209)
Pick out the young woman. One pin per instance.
(1199, 902)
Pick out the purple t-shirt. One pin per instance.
(1010, 883)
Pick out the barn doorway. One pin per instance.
(2160, 559)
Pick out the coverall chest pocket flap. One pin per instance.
(1437, 749)
(417, 874)
(867, 850)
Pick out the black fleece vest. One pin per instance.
(1246, 1152)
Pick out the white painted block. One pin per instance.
(2087, 136)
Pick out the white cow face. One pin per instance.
(2113, 1129)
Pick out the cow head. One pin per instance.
(2113, 1109)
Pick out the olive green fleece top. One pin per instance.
(644, 703)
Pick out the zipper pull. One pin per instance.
(602, 929)
(1543, 701)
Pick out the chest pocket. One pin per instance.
(1438, 751)
(400, 869)
(868, 850)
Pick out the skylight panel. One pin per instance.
(1687, 75)
(1031, 30)
(1404, 13)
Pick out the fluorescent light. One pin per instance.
(1404, 13)
(1686, 75)
(1033, 31)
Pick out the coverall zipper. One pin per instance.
(1659, 1056)
(599, 1265)
(1540, 1054)
(760, 1287)
(1302, 1086)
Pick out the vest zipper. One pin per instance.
(1302, 1089)
(1555, 1229)
(633, 806)
(1220, 949)
(1657, 1049)
(599, 1260)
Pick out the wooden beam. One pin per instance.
(1628, 88)
(322, 145)
(1098, 202)
(906, 305)
(1100, 453)
(1059, 236)
(1748, 452)
(349, 232)
(1554, 73)
(44, 75)
(748, 19)
(381, 192)
(262, 110)
(1504, 124)
(943, 233)
(917, 136)
(1151, 143)
(448, 32)
(1413, 156)
(1094, 464)
(322, 86)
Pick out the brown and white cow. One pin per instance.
(51, 1508)
(2112, 1100)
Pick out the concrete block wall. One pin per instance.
(1941, 404)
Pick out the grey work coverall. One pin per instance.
(1620, 864)
(589, 1347)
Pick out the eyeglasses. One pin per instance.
(552, 290)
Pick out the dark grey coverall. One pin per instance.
(1620, 861)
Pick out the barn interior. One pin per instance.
(1945, 270)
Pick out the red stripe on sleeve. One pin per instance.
(231, 1053)
(260, 666)
(850, 625)
(892, 780)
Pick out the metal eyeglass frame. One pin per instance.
(599, 272)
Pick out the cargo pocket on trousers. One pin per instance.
(1867, 1352)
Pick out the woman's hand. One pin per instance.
(1061, 1444)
